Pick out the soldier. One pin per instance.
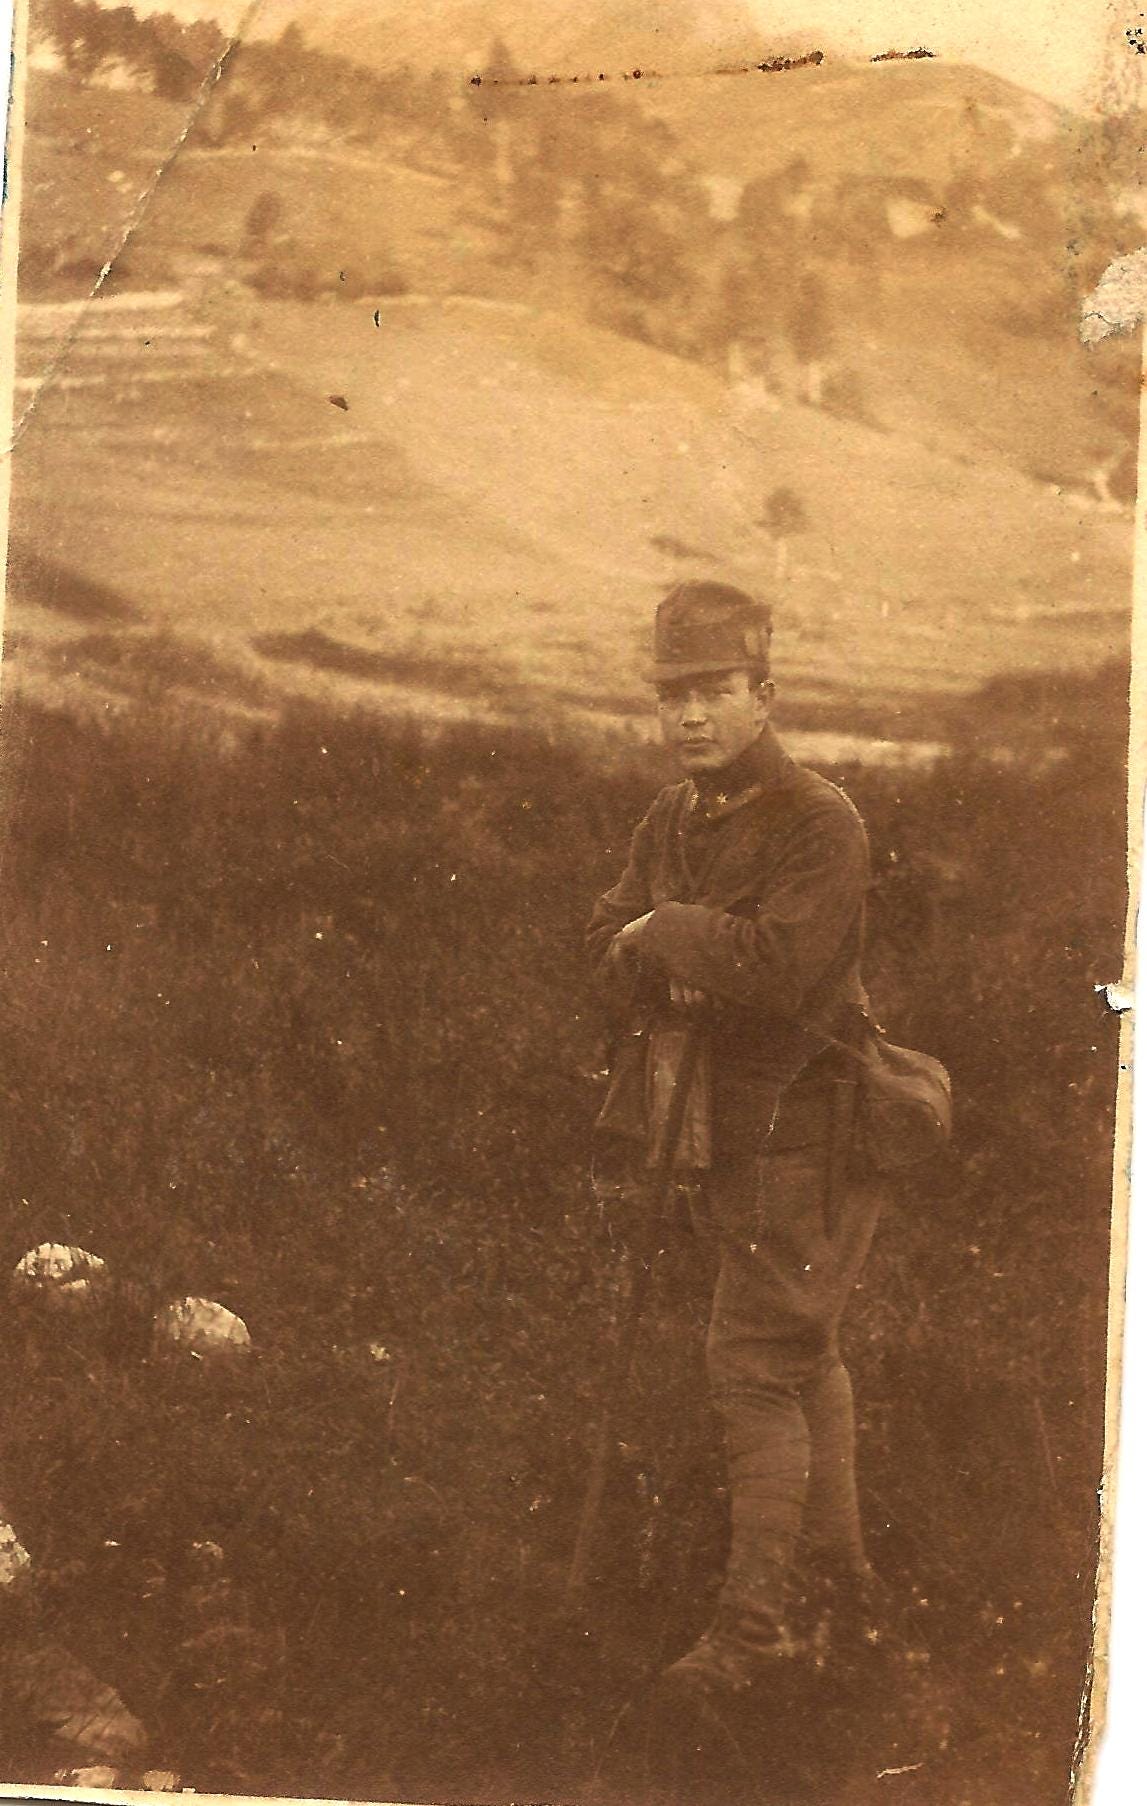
(741, 910)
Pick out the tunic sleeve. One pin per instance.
(629, 898)
(806, 907)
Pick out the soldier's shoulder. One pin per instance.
(668, 800)
(812, 794)
(661, 813)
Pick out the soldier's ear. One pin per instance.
(766, 690)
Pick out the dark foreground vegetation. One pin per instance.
(294, 1017)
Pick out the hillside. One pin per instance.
(946, 220)
(428, 390)
(284, 488)
(886, 241)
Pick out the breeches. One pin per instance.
(785, 1265)
(785, 1268)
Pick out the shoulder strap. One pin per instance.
(844, 1047)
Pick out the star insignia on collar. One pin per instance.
(721, 803)
(724, 803)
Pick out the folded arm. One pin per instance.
(628, 900)
(772, 957)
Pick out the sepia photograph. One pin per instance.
(565, 743)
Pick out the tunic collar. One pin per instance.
(751, 775)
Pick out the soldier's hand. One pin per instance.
(621, 957)
(627, 935)
(686, 996)
(623, 948)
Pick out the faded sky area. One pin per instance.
(1074, 51)
(1058, 47)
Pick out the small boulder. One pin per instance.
(15, 1562)
(99, 1777)
(202, 1327)
(63, 1277)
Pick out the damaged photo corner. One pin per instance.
(568, 998)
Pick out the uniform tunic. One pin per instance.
(757, 894)
(756, 882)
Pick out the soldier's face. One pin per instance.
(708, 721)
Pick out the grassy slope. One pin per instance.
(838, 116)
(492, 498)
(89, 155)
(963, 339)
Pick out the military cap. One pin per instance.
(703, 626)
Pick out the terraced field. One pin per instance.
(452, 505)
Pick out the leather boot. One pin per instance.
(742, 1650)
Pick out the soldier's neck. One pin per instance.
(740, 772)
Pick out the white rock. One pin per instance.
(202, 1327)
(15, 1562)
(1119, 302)
(98, 1777)
(159, 1780)
(62, 1276)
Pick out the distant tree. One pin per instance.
(263, 216)
(785, 513)
(181, 54)
(809, 331)
(499, 65)
(115, 32)
(469, 137)
(784, 517)
(79, 30)
(633, 247)
(844, 394)
(203, 42)
(498, 81)
(167, 55)
(55, 21)
(531, 202)
(173, 75)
